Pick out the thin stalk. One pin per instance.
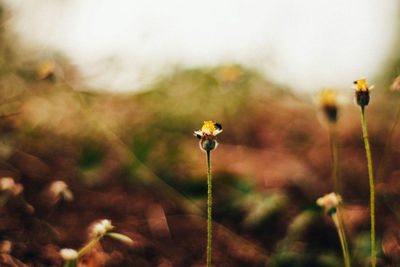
(209, 204)
(342, 237)
(86, 248)
(371, 185)
(339, 222)
(335, 158)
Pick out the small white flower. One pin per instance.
(69, 254)
(7, 183)
(60, 189)
(57, 187)
(330, 202)
(102, 227)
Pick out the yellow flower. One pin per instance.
(46, 70)
(362, 92)
(207, 135)
(230, 74)
(361, 85)
(328, 102)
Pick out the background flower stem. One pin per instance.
(371, 185)
(342, 237)
(339, 222)
(335, 158)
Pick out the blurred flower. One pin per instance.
(5, 247)
(207, 135)
(396, 84)
(229, 74)
(101, 228)
(328, 99)
(69, 254)
(362, 92)
(329, 202)
(59, 189)
(46, 70)
(8, 184)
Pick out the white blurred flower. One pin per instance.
(330, 202)
(69, 254)
(5, 247)
(102, 227)
(60, 189)
(8, 184)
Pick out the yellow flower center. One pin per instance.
(208, 127)
(328, 98)
(362, 85)
(45, 69)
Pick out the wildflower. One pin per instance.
(229, 74)
(5, 247)
(328, 102)
(101, 228)
(46, 70)
(207, 135)
(330, 202)
(8, 184)
(395, 85)
(59, 189)
(362, 96)
(362, 92)
(69, 254)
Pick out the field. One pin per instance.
(132, 158)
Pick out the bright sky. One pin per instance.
(122, 45)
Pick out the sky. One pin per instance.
(123, 45)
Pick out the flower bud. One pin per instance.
(328, 102)
(329, 202)
(362, 92)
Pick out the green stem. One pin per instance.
(209, 203)
(371, 185)
(338, 188)
(86, 248)
(343, 229)
(342, 237)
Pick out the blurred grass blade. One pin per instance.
(120, 237)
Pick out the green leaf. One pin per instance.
(120, 237)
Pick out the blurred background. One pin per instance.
(105, 96)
